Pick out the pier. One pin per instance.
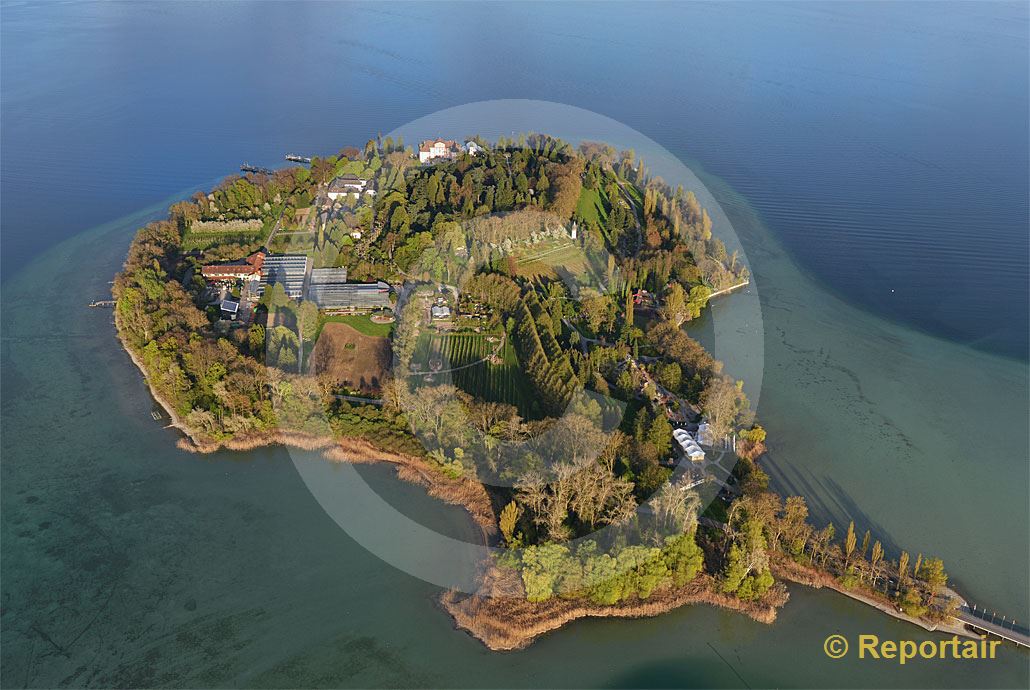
(297, 159)
(992, 624)
(248, 168)
(102, 303)
(731, 288)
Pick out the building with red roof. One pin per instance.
(248, 268)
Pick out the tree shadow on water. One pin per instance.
(828, 501)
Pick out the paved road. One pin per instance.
(1004, 629)
(275, 228)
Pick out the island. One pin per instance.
(504, 322)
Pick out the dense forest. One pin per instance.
(568, 472)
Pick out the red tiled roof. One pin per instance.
(234, 269)
(428, 144)
(248, 266)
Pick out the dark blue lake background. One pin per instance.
(872, 156)
(885, 143)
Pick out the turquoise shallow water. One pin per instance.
(920, 440)
(130, 563)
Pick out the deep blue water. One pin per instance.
(885, 143)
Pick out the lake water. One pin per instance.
(872, 159)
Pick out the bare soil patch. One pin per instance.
(359, 362)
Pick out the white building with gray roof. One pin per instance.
(688, 445)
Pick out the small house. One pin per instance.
(229, 309)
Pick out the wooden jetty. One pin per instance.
(247, 167)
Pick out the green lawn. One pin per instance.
(293, 244)
(547, 258)
(591, 207)
(359, 322)
(714, 508)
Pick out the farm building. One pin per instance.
(324, 276)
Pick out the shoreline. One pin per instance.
(175, 421)
(807, 576)
(472, 496)
(731, 288)
(467, 494)
(505, 621)
(502, 619)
